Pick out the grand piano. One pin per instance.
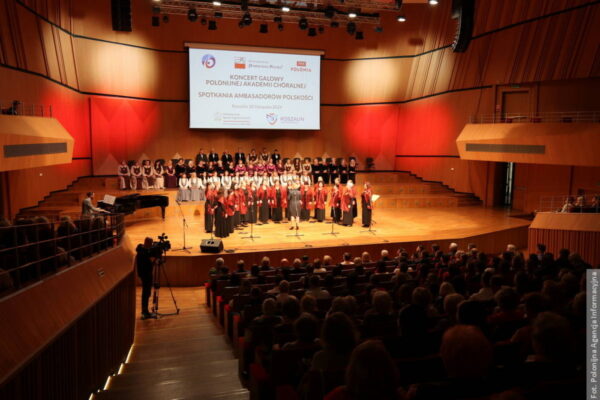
(131, 202)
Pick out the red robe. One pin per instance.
(284, 202)
(335, 199)
(346, 201)
(230, 204)
(308, 198)
(262, 195)
(320, 198)
(243, 206)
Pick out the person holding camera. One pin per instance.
(144, 262)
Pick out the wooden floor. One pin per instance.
(183, 356)
(392, 225)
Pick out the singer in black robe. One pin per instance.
(221, 225)
(262, 196)
(367, 206)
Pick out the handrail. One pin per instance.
(536, 117)
(16, 107)
(30, 252)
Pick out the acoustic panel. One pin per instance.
(34, 149)
(507, 148)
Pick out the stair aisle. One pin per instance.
(183, 356)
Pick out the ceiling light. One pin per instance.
(312, 32)
(212, 25)
(351, 28)
(247, 19)
(401, 18)
(216, 3)
(285, 9)
(264, 28)
(433, 2)
(280, 27)
(303, 23)
(351, 15)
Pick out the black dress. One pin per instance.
(277, 211)
(294, 198)
(352, 173)
(263, 210)
(366, 210)
(343, 174)
(221, 223)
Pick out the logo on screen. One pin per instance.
(208, 61)
(239, 62)
(271, 118)
(300, 63)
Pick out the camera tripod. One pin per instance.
(159, 272)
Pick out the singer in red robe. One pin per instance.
(346, 206)
(367, 205)
(320, 201)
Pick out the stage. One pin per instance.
(490, 229)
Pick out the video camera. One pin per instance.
(162, 246)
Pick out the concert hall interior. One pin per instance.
(338, 199)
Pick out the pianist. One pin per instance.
(87, 207)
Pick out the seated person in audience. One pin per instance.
(318, 268)
(507, 318)
(338, 339)
(365, 258)
(308, 304)
(371, 374)
(314, 288)
(290, 311)
(485, 293)
(451, 303)
(535, 303)
(265, 264)
(568, 206)
(467, 357)
(245, 289)
(259, 333)
(327, 262)
(347, 260)
(553, 355)
(446, 288)
(239, 273)
(385, 256)
(380, 320)
(474, 313)
(306, 330)
(297, 267)
(284, 293)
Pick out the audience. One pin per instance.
(458, 325)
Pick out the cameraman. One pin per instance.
(144, 262)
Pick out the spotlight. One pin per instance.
(216, 3)
(329, 12)
(379, 29)
(156, 1)
(359, 36)
(203, 21)
(218, 14)
(244, 5)
(192, 15)
(247, 19)
(155, 20)
(280, 27)
(433, 2)
(321, 29)
(285, 9)
(351, 28)
(334, 24)
(351, 15)
(212, 25)
(277, 19)
(264, 28)
(303, 23)
(401, 18)
(312, 32)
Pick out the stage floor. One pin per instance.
(392, 226)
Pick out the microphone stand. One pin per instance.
(251, 237)
(332, 224)
(185, 225)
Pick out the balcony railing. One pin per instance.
(15, 107)
(564, 117)
(570, 204)
(31, 250)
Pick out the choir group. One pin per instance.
(256, 188)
